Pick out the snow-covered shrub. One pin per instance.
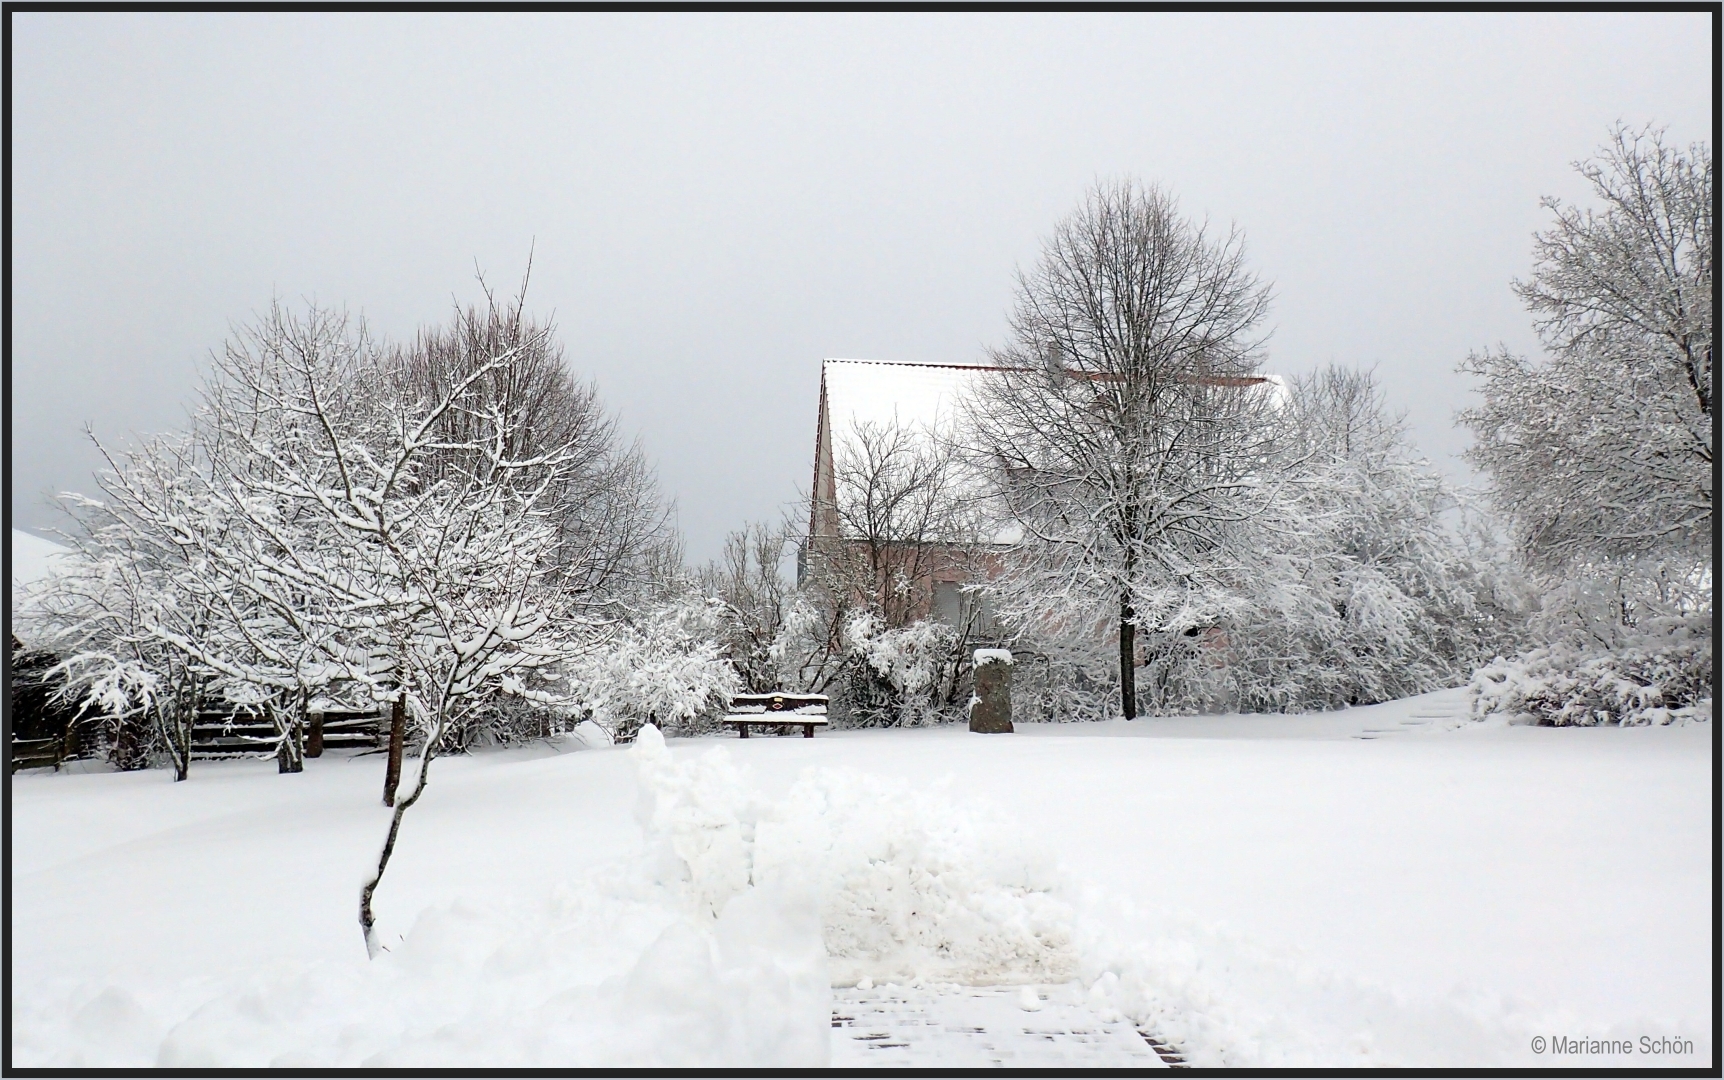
(667, 670)
(1651, 679)
(507, 718)
(1609, 604)
(1063, 686)
(906, 676)
(1348, 573)
(1375, 578)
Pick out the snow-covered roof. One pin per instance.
(925, 399)
(880, 392)
(924, 396)
(32, 558)
(922, 399)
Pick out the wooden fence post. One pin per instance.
(314, 734)
(397, 734)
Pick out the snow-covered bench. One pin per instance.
(781, 711)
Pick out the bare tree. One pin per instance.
(1125, 428)
(1603, 452)
(749, 581)
(901, 519)
(902, 513)
(615, 538)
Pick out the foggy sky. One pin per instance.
(716, 202)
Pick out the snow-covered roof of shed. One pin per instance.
(33, 560)
(33, 557)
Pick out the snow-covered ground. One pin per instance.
(1373, 887)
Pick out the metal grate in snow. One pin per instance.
(946, 1026)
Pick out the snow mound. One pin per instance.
(471, 986)
(908, 884)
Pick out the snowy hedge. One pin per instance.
(901, 677)
(1649, 680)
(666, 670)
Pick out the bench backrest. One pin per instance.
(778, 703)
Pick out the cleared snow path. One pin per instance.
(1435, 712)
(958, 1027)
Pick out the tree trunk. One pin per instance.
(366, 919)
(182, 751)
(175, 724)
(392, 775)
(289, 751)
(1127, 658)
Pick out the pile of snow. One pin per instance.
(907, 884)
(472, 987)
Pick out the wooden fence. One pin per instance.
(223, 735)
(218, 735)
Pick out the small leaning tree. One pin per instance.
(423, 564)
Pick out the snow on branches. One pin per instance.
(1600, 456)
(666, 669)
(1604, 450)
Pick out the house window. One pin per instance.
(949, 603)
(956, 607)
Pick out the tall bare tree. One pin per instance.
(615, 538)
(1123, 429)
(749, 581)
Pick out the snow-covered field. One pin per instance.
(1251, 890)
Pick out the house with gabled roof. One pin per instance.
(922, 401)
(926, 401)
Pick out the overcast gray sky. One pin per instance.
(719, 201)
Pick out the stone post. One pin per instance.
(991, 706)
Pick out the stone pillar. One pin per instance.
(991, 706)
